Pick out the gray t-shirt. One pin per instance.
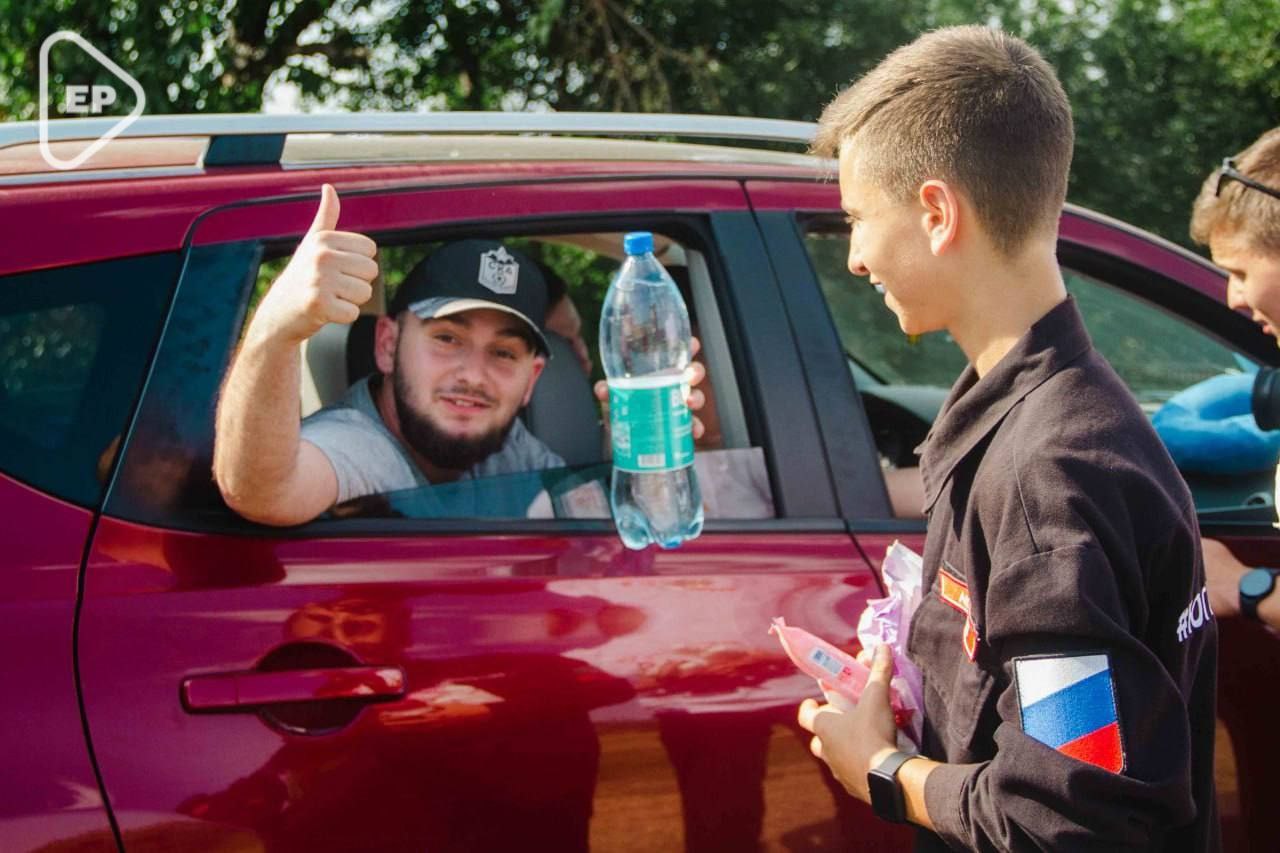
(369, 460)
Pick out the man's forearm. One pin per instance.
(1223, 571)
(912, 776)
(256, 448)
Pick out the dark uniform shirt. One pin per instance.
(1066, 640)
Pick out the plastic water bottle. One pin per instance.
(645, 348)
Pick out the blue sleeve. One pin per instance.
(1209, 428)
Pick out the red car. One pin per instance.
(419, 671)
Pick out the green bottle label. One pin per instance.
(650, 424)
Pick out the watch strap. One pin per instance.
(890, 766)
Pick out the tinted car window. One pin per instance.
(164, 475)
(1157, 354)
(74, 344)
(45, 360)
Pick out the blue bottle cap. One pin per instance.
(638, 243)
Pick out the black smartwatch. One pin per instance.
(1255, 585)
(886, 793)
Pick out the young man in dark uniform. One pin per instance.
(1065, 637)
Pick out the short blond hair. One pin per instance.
(1239, 209)
(970, 105)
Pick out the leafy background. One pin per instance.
(1162, 89)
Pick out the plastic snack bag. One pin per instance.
(884, 621)
(842, 677)
(888, 620)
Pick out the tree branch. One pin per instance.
(613, 55)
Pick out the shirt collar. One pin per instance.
(975, 407)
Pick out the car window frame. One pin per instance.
(727, 276)
(1176, 298)
(1212, 318)
(1159, 291)
(848, 443)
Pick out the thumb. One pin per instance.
(327, 214)
(882, 665)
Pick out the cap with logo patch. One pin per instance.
(472, 274)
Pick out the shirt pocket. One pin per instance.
(964, 689)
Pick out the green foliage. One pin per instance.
(1162, 89)
(1158, 101)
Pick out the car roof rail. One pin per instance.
(244, 139)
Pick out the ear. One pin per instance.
(539, 363)
(941, 216)
(385, 335)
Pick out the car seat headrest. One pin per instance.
(562, 411)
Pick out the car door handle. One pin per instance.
(250, 690)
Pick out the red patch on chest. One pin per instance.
(956, 593)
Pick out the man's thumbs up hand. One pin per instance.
(329, 277)
(327, 213)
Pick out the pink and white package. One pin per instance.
(884, 621)
(838, 673)
(888, 620)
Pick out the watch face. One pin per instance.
(884, 795)
(1256, 583)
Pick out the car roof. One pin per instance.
(167, 170)
(71, 150)
(130, 159)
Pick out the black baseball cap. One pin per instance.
(470, 274)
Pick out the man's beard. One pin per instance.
(436, 446)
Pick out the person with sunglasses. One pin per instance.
(1237, 215)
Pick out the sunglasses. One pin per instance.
(1229, 172)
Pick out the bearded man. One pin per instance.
(458, 354)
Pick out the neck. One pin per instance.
(384, 399)
(1000, 306)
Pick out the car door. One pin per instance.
(866, 439)
(463, 683)
(1155, 312)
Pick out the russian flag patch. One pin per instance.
(1069, 703)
